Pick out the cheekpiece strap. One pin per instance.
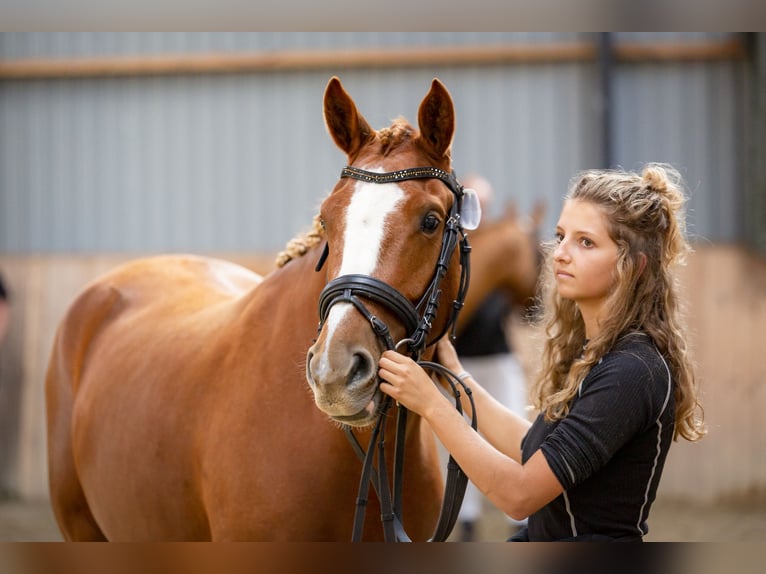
(403, 175)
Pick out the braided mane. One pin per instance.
(299, 245)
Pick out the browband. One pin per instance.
(403, 175)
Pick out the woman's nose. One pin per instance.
(561, 252)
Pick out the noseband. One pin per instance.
(417, 320)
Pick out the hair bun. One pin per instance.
(664, 180)
(656, 177)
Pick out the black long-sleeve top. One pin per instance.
(609, 451)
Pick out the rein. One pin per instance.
(417, 320)
(391, 507)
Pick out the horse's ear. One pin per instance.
(436, 119)
(348, 128)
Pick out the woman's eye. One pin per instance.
(430, 223)
(586, 242)
(559, 237)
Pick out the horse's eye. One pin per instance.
(430, 223)
(322, 223)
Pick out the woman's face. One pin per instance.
(585, 259)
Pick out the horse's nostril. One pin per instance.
(309, 374)
(360, 369)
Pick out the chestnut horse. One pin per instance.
(505, 256)
(177, 399)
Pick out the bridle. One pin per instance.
(418, 320)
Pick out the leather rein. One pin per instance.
(417, 320)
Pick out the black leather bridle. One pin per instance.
(418, 320)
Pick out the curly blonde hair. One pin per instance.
(645, 215)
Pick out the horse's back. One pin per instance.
(121, 342)
(191, 281)
(166, 289)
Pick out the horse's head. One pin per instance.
(391, 232)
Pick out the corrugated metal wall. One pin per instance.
(239, 162)
(691, 115)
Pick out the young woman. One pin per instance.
(616, 385)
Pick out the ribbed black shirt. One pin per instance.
(609, 451)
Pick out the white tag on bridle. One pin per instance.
(470, 214)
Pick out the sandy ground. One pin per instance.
(670, 522)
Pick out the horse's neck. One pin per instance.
(503, 258)
(494, 253)
(288, 288)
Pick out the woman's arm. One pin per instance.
(503, 428)
(518, 490)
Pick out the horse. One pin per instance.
(188, 398)
(505, 257)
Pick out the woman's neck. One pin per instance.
(592, 319)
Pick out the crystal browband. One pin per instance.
(403, 175)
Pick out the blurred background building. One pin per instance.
(120, 142)
(116, 145)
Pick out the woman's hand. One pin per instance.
(407, 383)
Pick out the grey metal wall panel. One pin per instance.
(157, 164)
(240, 162)
(688, 115)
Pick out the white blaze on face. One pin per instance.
(365, 225)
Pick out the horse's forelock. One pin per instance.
(394, 135)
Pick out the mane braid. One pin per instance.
(394, 135)
(299, 245)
